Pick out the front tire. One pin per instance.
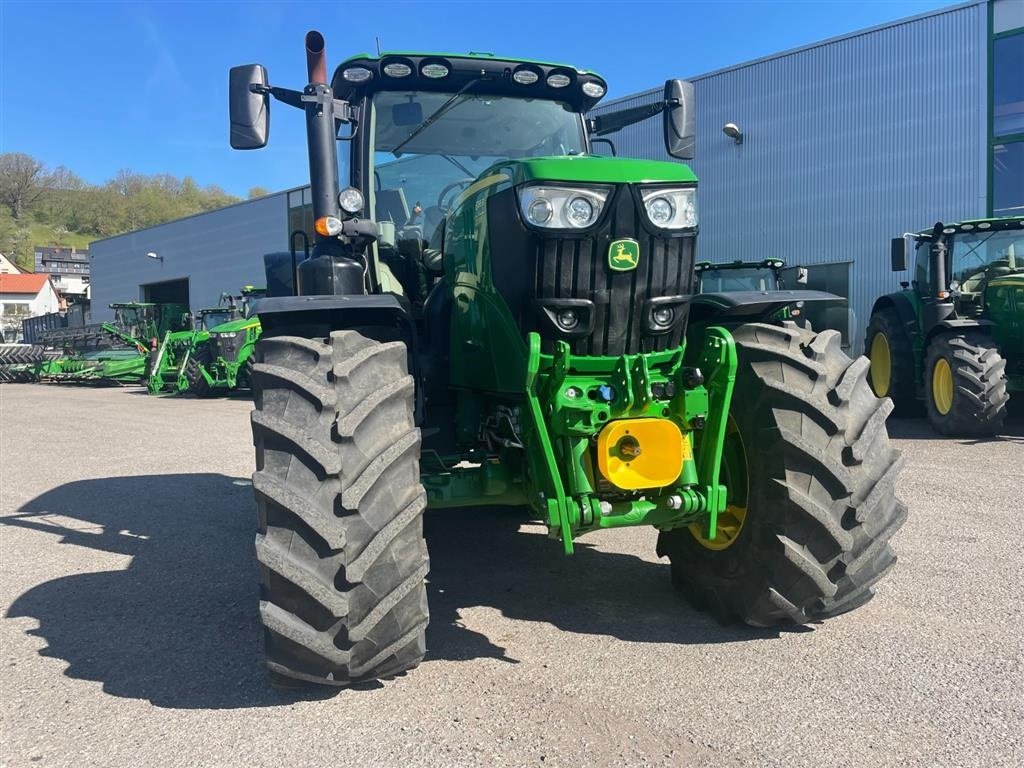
(815, 480)
(965, 381)
(197, 383)
(340, 543)
(887, 347)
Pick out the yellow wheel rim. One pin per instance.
(881, 365)
(942, 386)
(734, 477)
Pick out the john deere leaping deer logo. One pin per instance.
(623, 255)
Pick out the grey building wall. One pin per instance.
(847, 143)
(217, 251)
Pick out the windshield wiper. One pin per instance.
(436, 114)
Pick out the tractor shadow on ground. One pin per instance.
(179, 626)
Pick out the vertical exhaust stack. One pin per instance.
(320, 136)
(316, 61)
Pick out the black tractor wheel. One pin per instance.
(965, 385)
(891, 354)
(197, 383)
(811, 481)
(340, 543)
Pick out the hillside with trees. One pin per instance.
(53, 206)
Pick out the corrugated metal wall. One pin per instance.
(846, 144)
(218, 251)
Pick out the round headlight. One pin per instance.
(660, 210)
(579, 212)
(434, 71)
(663, 316)
(525, 76)
(357, 74)
(539, 211)
(567, 319)
(593, 90)
(351, 200)
(397, 69)
(558, 80)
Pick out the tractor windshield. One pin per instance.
(978, 257)
(747, 279)
(212, 319)
(428, 147)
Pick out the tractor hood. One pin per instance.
(595, 169)
(1014, 280)
(233, 326)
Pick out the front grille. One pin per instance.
(577, 268)
(228, 346)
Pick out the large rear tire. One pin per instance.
(811, 483)
(965, 382)
(340, 543)
(887, 347)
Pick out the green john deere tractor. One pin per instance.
(954, 336)
(491, 314)
(174, 366)
(222, 361)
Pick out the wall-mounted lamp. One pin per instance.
(152, 255)
(733, 132)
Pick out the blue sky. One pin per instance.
(98, 87)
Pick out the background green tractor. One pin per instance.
(221, 359)
(954, 336)
(174, 363)
(491, 314)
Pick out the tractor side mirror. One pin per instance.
(680, 119)
(801, 275)
(899, 254)
(250, 111)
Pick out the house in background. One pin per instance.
(23, 296)
(8, 267)
(68, 267)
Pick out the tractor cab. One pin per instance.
(211, 317)
(956, 265)
(739, 275)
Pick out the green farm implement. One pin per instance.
(954, 336)
(114, 353)
(491, 314)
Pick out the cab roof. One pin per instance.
(976, 225)
(496, 73)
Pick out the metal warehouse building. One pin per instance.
(844, 144)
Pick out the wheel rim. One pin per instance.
(734, 477)
(942, 386)
(881, 365)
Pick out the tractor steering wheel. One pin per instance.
(448, 189)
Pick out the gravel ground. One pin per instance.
(130, 634)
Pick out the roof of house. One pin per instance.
(27, 283)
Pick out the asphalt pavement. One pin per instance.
(130, 635)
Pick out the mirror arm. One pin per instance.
(610, 122)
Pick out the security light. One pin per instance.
(733, 132)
